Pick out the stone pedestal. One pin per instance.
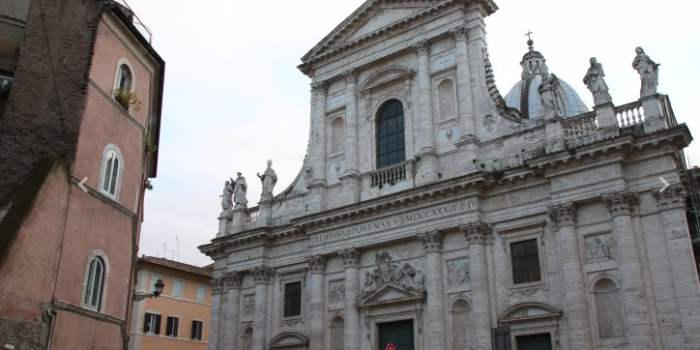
(425, 139)
(352, 187)
(654, 119)
(634, 300)
(317, 267)
(606, 115)
(555, 134)
(265, 213)
(231, 311)
(352, 290)
(217, 290)
(239, 217)
(672, 208)
(225, 221)
(476, 235)
(262, 276)
(575, 302)
(435, 330)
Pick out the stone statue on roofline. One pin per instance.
(595, 81)
(227, 195)
(648, 72)
(240, 192)
(549, 96)
(268, 179)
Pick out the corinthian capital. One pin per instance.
(673, 197)
(477, 232)
(317, 263)
(460, 33)
(422, 47)
(232, 280)
(319, 87)
(432, 241)
(564, 214)
(217, 286)
(351, 257)
(262, 274)
(350, 76)
(622, 203)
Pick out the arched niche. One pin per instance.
(289, 341)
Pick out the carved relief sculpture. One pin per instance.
(405, 276)
(249, 305)
(240, 191)
(595, 81)
(458, 273)
(600, 247)
(648, 72)
(336, 291)
(269, 180)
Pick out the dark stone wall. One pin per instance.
(44, 110)
(24, 335)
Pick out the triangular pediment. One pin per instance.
(391, 293)
(376, 16)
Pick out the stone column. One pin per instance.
(217, 290)
(262, 276)
(425, 138)
(352, 292)
(464, 90)
(575, 301)
(317, 267)
(319, 91)
(350, 178)
(231, 311)
(672, 208)
(634, 300)
(476, 234)
(435, 322)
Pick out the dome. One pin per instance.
(524, 96)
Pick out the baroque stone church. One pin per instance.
(432, 213)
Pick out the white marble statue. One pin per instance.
(227, 195)
(648, 72)
(548, 96)
(240, 191)
(268, 179)
(595, 81)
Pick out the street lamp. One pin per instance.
(138, 296)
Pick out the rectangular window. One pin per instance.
(525, 261)
(178, 285)
(201, 293)
(151, 323)
(172, 326)
(292, 299)
(197, 327)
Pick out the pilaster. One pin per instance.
(476, 235)
(319, 91)
(425, 140)
(231, 312)
(317, 267)
(351, 260)
(634, 300)
(263, 276)
(464, 89)
(217, 290)
(432, 244)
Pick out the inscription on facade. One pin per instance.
(395, 221)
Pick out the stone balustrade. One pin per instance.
(581, 125)
(390, 175)
(630, 114)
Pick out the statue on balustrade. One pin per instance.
(549, 96)
(227, 196)
(595, 81)
(648, 71)
(268, 179)
(240, 191)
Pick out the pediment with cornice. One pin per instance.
(391, 293)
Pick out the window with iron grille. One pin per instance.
(525, 261)
(391, 145)
(292, 299)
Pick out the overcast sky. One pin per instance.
(234, 98)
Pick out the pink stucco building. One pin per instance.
(79, 128)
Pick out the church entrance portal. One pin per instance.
(534, 342)
(399, 334)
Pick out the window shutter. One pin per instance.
(157, 326)
(193, 333)
(176, 325)
(146, 323)
(501, 338)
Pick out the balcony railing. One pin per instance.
(389, 175)
(582, 125)
(630, 114)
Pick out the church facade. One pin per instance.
(432, 213)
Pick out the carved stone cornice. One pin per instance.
(673, 197)
(317, 263)
(232, 280)
(564, 215)
(460, 33)
(477, 232)
(422, 47)
(351, 257)
(432, 241)
(263, 274)
(622, 203)
(217, 286)
(350, 76)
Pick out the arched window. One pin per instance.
(608, 311)
(391, 146)
(447, 101)
(247, 339)
(460, 309)
(338, 333)
(337, 135)
(94, 283)
(123, 85)
(110, 173)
